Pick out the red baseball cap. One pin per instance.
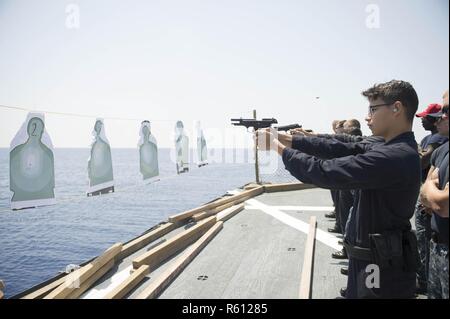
(431, 109)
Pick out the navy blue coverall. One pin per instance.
(386, 177)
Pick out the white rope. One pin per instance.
(78, 115)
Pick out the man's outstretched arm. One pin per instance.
(323, 148)
(352, 172)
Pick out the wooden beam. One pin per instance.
(188, 214)
(76, 293)
(159, 254)
(228, 213)
(251, 186)
(2, 287)
(200, 216)
(272, 188)
(41, 292)
(127, 249)
(128, 284)
(308, 260)
(79, 276)
(161, 282)
(230, 204)
(218, 209)
(145, 239)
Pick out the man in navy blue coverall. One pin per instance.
(386, 177)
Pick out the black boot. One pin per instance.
(344, 271)
(331, 215)
(341, 254)
(335, 229)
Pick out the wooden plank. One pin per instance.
(157, 255)
(251, 186)
(218, 209)
(231, 204)
(200, 216)
(127, 249)
(79, 276)
(306, 279)
(227, 214)
(145, 239)
(41, 292)
(161, 282)
(219, 202)
(128, 284)
(2, 287)
(76, 293)
(272, 188)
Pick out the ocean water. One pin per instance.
(35, 244)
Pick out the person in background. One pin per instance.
(434, 196)
(345, 198)
(350, 125)
(423, 220)
(338, 128)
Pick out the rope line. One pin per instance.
(78, 114)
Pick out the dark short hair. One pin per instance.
(354, 123)
(340, 124)
(355, 131)
(431, 119)
(393, 91)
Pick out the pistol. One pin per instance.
(288, 127)
(256, 124)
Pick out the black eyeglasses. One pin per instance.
(373, 108)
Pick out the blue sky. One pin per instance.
(210, 61)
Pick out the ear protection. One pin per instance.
(395, 109)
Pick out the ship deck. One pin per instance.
(258, 253)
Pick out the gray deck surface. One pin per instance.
(255, 255)
(250, 257)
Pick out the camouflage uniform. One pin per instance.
(438, 268)
(423, 233)
(438, 273)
